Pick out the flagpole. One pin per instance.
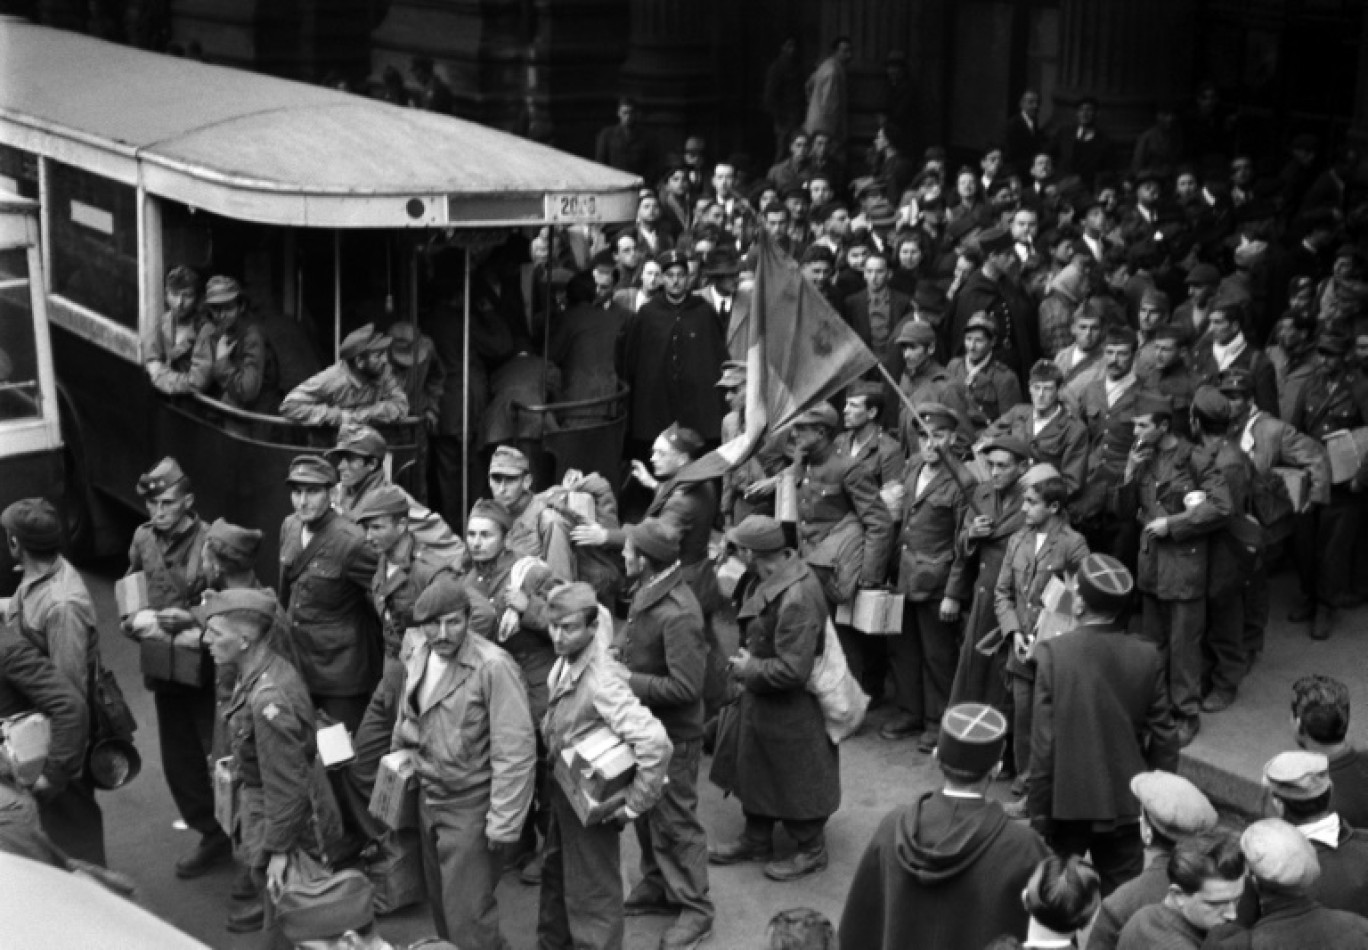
(951, 463)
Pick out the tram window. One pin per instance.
(19, 394)
(94, 242)
(18, 172)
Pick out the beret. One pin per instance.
(444, 596)
(1007, 443)
(360, 340)
(509, 461)
(1149, 403)
(654, 538)
(1279, 854)
(981, 321)
(165, 475)
(995, 240)
(568, 599)
(683, 439)
(915, 333)
(822, 414)
(33, 522)
(385, 500)
(356, 439)
(1298, 775)
(1209, 402)
(1104, 583)
(758, 533)
(221, 290)
(236, 545)
(491, 511)
(403, 343)
(253, 600)
(181, 277)
(1236, 380)
(972, 738)
(1040, 472)
(311, 470)
(1174, 806)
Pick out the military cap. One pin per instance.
(236, 546)
(1332, 344)
(1204, 274)
(1277, 853)
(311, 470)
(935, 413)
(981, 321)
(253, 600)
(733, 374)
(655, 538)
(1154, 297)
(1149, 403)
(165, 475)
(995, 240)
(33, 522)
(509, 461)
(675, 258)
(1104, 583)
(683, 439)
(1208, 402)
(385, 500)
(1046, 371)
(1174, 806)
(1171, 331)
(568, 599)
(972, 738)
(864, 387)
(222, 290)
(1298, 776)
(721, 262)
(822, 414)
(818, 254)
(758, 533)
(491, 511)
(1007, 443)
(1040, 472)
(882, 214)
(354, 438)
(181, 277)
(403, 343)
(1236, 380)
(360, 340)
(915, 333)
(444, 596)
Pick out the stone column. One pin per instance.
(672, 66)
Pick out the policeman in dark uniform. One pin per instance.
(169, 549)
(271, 722)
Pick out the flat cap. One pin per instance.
(982, 321)
(491, 511)
(1332, 344)
(1236, 380)
(758, 533)
(444, 596)
(33, 522)
(655, 538)
(683, 439)
(360, 340)
(822, 414)
(253, 600)
(165, 475)
(1297, 776)
(385, 500)
(1208, 402)
(915, 333)
(1154, 297)
(509, 461)
(938, 414)
(1204, 274)
(311, 470)
(1104, 583)
(995, 240)
(972, 738)
(673, 258)
(568, 599)
(403, 343)
(1046, 371)
(1278, 853)
(733, 375)
(1037, 473)
(221, 290)
(354, 438)
(234, 545)
(1149, 403)
(1007, 443)
(1173, 805)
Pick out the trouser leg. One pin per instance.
(906, 659)
(1186, 626)
(940, 652)
(1256, 609)
(74, 822)
(1117, 855)
(1154, 627)
(587, 883)
(467, 874)
(676, 842)
(1023, 696)
(185, 735)
(1225, 640)
(1337, 534)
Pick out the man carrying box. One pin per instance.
(466, 718)
(581, 895)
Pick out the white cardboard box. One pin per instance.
(876, 612)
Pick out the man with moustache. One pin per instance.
(359, 387)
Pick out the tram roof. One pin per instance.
(273, 150)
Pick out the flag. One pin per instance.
(799, 352)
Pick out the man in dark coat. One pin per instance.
(1101, 716)
(787, 769)
(1023, 139)
(1320, 714)
(993, 290)
(946, 871)
(671, 355)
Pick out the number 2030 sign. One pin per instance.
(574, 209)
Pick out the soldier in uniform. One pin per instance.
(1170, 375)
(787, 768)
(923, 377)
(359, 387)
(1335, 398)
(581, 895)
(169, 550)
(173, 352)
(1181, 499)
(537, 530)
(325, 576)
(52, 610)
(243, 369)
(985, 383)
(923, 657)
(1055, 435)
(271, 723)
(463, 711)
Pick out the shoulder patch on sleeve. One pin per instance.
(270, 712)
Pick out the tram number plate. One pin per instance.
(572, 208)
